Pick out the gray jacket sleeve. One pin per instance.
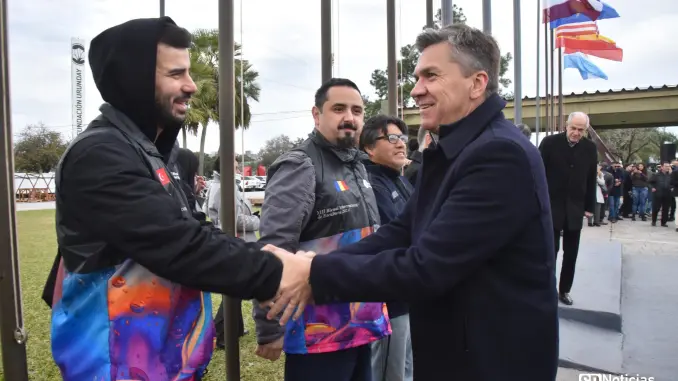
(213, 203)
(288, 205)
(244, 217)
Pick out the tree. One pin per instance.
(406, 80)
(636, 144)
(38, 149)
(275, 147)
(204, 105)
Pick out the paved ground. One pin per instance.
(21, 206)
(649, 290)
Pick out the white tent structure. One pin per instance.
(34, 187)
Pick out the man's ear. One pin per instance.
(316, 116)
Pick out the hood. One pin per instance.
(123, 61)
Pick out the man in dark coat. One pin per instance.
(570, 160)
(472, 256)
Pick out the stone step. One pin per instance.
(597, 285)
(589, 348)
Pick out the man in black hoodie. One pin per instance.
(128, 300)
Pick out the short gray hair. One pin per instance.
(576, 114)
(525, 129)
(472, 49)
(421, 137)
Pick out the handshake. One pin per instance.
(294, 292)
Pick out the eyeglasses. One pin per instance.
(393, 138)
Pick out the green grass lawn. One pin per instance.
(37, 247)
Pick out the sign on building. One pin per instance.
(78, 84)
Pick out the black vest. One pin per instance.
(344, 199)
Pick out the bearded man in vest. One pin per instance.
(318, 198)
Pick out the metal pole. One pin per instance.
(560, 90)
(326, 39)
(12, 333)
(392, 60)
(487, 16)
(537, 101)
(227, 153)
(429, 13)
(447, 14)
(554, 127)
(546, 79)
(162, 8)
(517, 65)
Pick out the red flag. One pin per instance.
(261, 171)
(594, 45)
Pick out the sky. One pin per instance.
(282, 41)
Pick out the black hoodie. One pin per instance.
(111, 207)
(123, 61)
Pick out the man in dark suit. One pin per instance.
(570, 160)
(472, 252)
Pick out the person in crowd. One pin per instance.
(525, 129)
(319, 198)
(472, 257)
(246, 226)
(662, 191)
(614, 198)
(131, 295)
(383, 141)
(426, 139)
(639, 189)
(601, 191)
(412, 147)
(627, 192)
(193, 184)
(570, 160)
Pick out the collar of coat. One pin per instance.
(454, 137)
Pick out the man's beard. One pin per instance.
(346, 142)
(163, 111)
(349, 139)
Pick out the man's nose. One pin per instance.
(190, 86)
(417, 91)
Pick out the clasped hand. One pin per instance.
(294, 292)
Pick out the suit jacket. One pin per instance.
(472, 254)
(571, 176)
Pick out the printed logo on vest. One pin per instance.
(162, 176)
(340, 186)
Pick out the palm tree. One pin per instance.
(204, 105)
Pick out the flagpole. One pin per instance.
(560, 89)
(554, 127)
(537, 101)
(517, 65)
(547, 127)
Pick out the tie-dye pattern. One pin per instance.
(333, 327)
(126, 323)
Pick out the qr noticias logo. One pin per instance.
(612, 377)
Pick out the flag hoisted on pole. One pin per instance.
(587, 69)
(78, 55)
(607, 13)
(559, 9)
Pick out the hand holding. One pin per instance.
(270, 351)
(588, 214)
(294, 291)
